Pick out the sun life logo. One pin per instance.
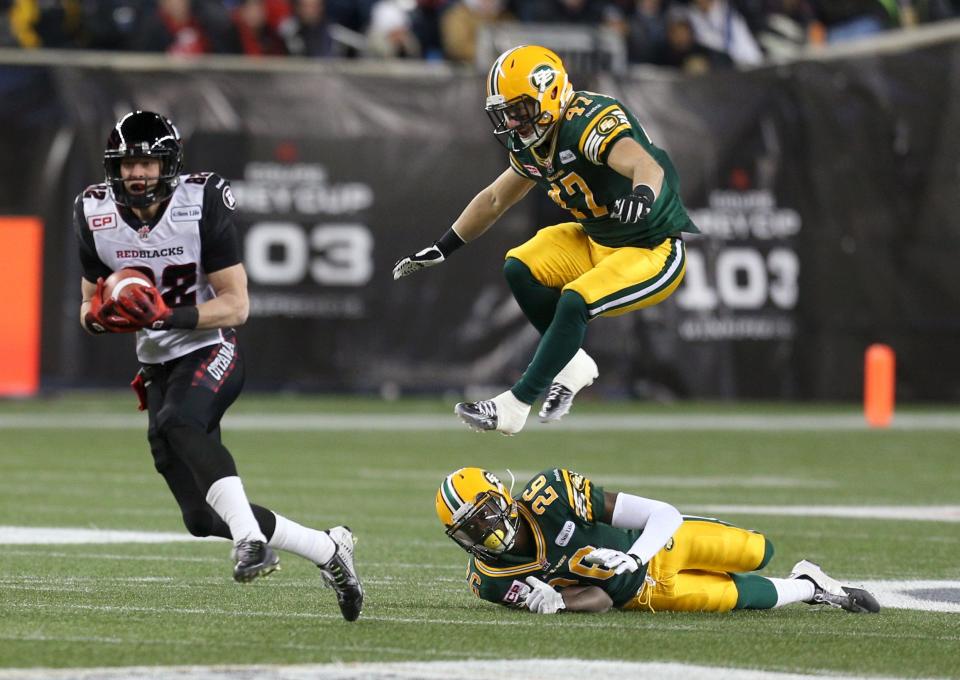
(542, 76)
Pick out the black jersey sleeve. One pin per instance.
(517, 167)
(219, 242)
(93, 266)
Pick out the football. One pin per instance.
(122, 282)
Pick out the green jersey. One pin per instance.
(562, 509)
(576, 176)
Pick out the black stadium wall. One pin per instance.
(828, 193)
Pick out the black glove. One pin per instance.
(634, 207)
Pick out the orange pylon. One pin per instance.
(879, 376)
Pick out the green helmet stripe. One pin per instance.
(449, 494)
(495, 69)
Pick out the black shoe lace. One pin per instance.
(249, 551)
(555, 393)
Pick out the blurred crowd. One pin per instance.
(689, 34)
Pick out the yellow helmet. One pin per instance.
(527, 89)
(478, 512)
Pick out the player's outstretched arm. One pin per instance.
(586, 599)
(544, 599)
(479, 215)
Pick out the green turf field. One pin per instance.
(174, 603)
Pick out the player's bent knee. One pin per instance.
(516, 272)
(160, 452)
(767, 553)
(168, 418)
(572, 306)
(198, 522)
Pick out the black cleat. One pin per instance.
(340, 574)
(557, 403)
(254, 559)
(480, 416)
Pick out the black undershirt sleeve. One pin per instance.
(219, 241)
(93, 267)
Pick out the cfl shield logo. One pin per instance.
(490, 477)
(542, 77)
(606, 125)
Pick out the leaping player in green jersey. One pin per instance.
(566, 544)
(621, 252)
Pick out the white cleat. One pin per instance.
(504, 413)
(813, 572)
(831, 592)
(340, 573)
(579, 372)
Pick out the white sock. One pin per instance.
(790, 590)
(227, 497)
(511, 412)
(579, 372)
(316, 546)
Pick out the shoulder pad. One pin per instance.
(578, 489)
(97, 191)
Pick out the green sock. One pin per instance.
(538, 302)
(754, 592)
(557, 346)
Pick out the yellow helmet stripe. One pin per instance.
(493, 86)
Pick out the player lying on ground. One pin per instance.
(621, 251)
(566, 544)
(179, 232)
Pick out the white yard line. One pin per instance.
(400, 422)
(16, 535)
(555, 669)
(910, 594)
(919, 513)
(63, 536)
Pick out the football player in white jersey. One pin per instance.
(179, 231)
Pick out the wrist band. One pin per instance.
(183, 317)
(449, 242)
(646, 192)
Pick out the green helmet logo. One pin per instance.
(542, 76)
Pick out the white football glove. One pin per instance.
(542, 598)
(609, 558)
(419, 260)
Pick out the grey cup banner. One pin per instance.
(826, 193)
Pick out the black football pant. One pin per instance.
(186, 398)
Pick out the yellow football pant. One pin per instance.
(612, 281)
(690, 574)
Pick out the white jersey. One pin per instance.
(193, 234)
